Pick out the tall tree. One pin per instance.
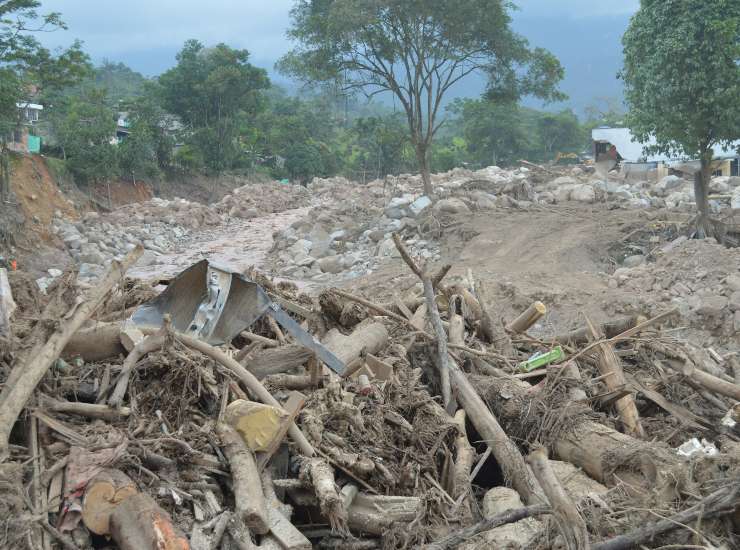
(416, 50)
(494, 132)
(682, 82)
(559, 132)
(213, 90)
(25, 65)
(85, 128)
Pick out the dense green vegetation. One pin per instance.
(683, 81)
(416, 52)
(215, 112)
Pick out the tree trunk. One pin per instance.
(423, 160)
(701, 185)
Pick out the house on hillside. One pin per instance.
(24, 138)
(620, 145)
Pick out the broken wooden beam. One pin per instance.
(250, 505)
(570, 522)
(527, 318)
(139, 523)
(611, 368)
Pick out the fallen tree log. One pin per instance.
(583, 335)
(602, 452)
(100, 342)
(465, 456)
(375, 514)
(89, 410)
(138, 523)
(247, 485)
(611, 368)
(491, 326)
(103, 494)
(370, 337)
(278, 360)
(506, 452)
(570, 522)
(14, 397)
(321, 476)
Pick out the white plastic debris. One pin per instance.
(693, 447)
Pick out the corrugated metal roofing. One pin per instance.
(633, 151)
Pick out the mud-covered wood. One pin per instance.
(103, 494)
(278, 360)
(570, 522)
(611, 369)
(139, 523)
(249, 500)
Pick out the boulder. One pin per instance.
(331, 264)
(387, 249)
(735, 200)
(712, 306)
(668, 184)
(733, 282)
(634, 261)
(583, 193)
(561, 181)
(735, 301)
(451, 206)
(419, 205)
(562, 192)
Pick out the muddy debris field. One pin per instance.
(439, 413)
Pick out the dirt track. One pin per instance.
(557, 254)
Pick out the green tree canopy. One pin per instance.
(560, 132)
(85, 129)
(26, 66)
(213, 90)
(416, 50)
(682, 81)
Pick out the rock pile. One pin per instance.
(700, 278)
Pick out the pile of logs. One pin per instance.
(434, 437)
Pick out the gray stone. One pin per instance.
(387, 249)
(89, 271)
(563, 180)
(419, 205)
(331, 264)
(583, 193)
(735, 199)
(54, 273)
(395, 213)
(634, 261)
(735, 301)
(305, 261)
(90, 217)
(733, 282)
(451, 206)
(668, 184)
(300, 248)
(563, 192)
(712, 306)
(376, 235)
(339, 235)
(736, 324)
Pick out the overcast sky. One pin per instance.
(144, 30)
(146, 34)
